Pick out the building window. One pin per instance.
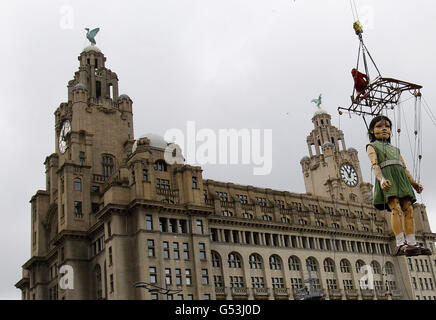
(176, 252)
(166, 250)
(111, 281)
(150, 248)
(202, 248)
(153, 274)
(186, 251)
(82, 157)
(302, 222)
(149, 222)
(178, 277)
(188, 277)
(199, 227)
(234, 260)
(216, 261)
(266, 218)
(277, 282)
(168, 280)
(145, 175)
(218, 281)
(204, 277)
(329, 265)
(255, 261)
(389, 269)
(190, 297)
(348, 284)
(296, 283)
(222, 196)
(257, 282)
(160, 165)
(247, 215)
(335, 225)
(331, 284)
(194, 183)
(227, 213)
(110, 256)
(236, 282)
(261, 201)
(310, 262)
(95, 207)
(345, 266)
(275, 263)
(154, 296)
(78, 209)
(243, 199)
(162, 184)
(77, 184)
(294, 264)
(107, 165)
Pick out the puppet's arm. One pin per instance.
(372, 154)
(414, 184)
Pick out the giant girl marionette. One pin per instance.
(394, 186)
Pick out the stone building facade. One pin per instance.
(116, 213)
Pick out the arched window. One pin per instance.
(311, 262)
(319, 223)
(107, 162)
(267, 217)
(345, 266)
(335, 225)
(255, 261)
(329, 265)
(160, 165)
(303, 222)
(248, 215)
(286, 220)
(379, 230)
(365, 228)
(77, 184)
(294, 263)
(375, 267)
(216, 260)
(275, 262)
(353, 197)
(359, 265)
(350, 227)
(234, 260)
(227, 213)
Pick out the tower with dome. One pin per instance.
(331, 170)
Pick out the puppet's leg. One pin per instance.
(397, 227)
(409, 226)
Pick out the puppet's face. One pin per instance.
(382, 130)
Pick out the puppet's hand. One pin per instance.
(385, 184)
(418, 187)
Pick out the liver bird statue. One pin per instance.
(91, 35)
(317, 101)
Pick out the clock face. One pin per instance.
(349, 175)
(66, 128)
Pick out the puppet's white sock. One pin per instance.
(410, 238)
(400, 239)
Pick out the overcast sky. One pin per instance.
(223, 64)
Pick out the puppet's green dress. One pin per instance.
(389, 159)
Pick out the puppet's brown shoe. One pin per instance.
(400, 250)
(424, 251)
(412, 250)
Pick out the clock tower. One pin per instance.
(94, 129)
(331, 170)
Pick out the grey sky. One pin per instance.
(225, 64)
